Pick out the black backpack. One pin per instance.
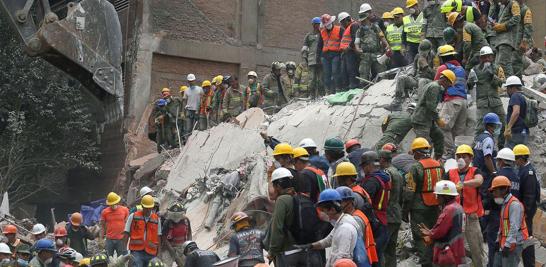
(531, 114)
(304, 225)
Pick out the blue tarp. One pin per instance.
(91, 211)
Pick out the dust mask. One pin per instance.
(499, 200)
(461, 164)
(329, 26)
(48, 261)
(412, 11)
(386, 23)
(497, 131)
(250, 81)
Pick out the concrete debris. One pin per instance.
(251, 119)
(140, 161)
(149, 167)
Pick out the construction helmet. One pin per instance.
(452, 17)
(364, 8)
(301, 153)
(350, 143)
(156, 262)
(327, 19)
(369, 157)
(99, 259)
(450, 75)
(60, 231)
(334, 144)
(9, 229)
(328, 195)
(449, 35)
(165, 90)
(291, 65)
(345, 192)
(307, 143)
(238, 216)
(85, 262)
(76, 219)
(147, 202)
(512, 81)
(521, 150)
(23, 249)
(38, 229)
(183, 88)
(345, 169)
(425, 46)
(448, 6)
(387, 15)
(45, 244)
(161, 102)
(4, 249)
(206, 83)
(343, 15)
(464, 149)
(276, 65)
(190, 77)
(445, 187)
(491, 118)
(145, 190)
(420, 143)
(112, 199)
(389, 147)
(188, 245)
(315, 20)
(506, 154)
(252, 73)
(410, 3)
(345, 263)
(176, 207)
(385, 154)
(397, 11)
(283, 149)
(500, 181)
(446, 50)
(218, 79)
(281, 173)
(486, 50)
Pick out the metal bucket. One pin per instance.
(382, 59)
(229, 262)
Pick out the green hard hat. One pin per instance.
(333, 144)
(449, 35)
(425, 45)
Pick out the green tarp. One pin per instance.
(343, 97)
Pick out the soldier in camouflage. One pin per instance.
(508, 16)
(274, 89)
(524, 39)
(473, 40)
(370, 43)
(434, 23)
(395, 127)
(309, 54)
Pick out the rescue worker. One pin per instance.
(468, 180)
(205, 105)
(508, 16)
(175, 231)
(454, 106)
(310, 56)
(387, 19)
(447, 233)
(5, 254)
(23, 255)
(512, 231)
(394, 36)
(112, 224)
(515, 130)
(378, 185)
(274, 88)
(246, 242)
(191, 102)
(413, 26)
(38, 231)
(253, 95)
(61, 240)
(530, 195)
(174, 108)
(349, 58)
(310, 181)
(78, 234)
(524, 38)
(163, 120)
(290, 78)
(394, 208)
(487, 77)
(346, 176)
(301, 86)
(198, 257)
(232, 102)
(451, 38)
(396, 126)
(10, 232)
(315, 159)
(45, 256)
(419, 199)
(473, 39)
(143, 233)
(335, 154)
(433, 29)
(218, 90)
(354, 153)
(370, 43)
(329, 51)
(425, 118)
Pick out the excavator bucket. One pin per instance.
(85, 42)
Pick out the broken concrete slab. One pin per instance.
(251, 118)
(149, 167)
(140, 161)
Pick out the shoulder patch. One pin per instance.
(467, 37)
(500, 73)
(515, 9)
(528, 18)
(531, 172)
(410, 183)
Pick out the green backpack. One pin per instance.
(531, 116)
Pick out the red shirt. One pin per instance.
(114, 221)
(448, 229)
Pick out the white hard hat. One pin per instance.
(341, 16)
(38, 229)
(307, 142)
(280, 173)
(486, 50)
(513, 80)
(445, 187)
(364, 8)
(77, 257)
(506, 154)
(252, 73)
(191, 77)
(145, 190)
(4, 249)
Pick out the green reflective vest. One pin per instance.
(412, 28)
(448, 6)
(469, 14)
(394, 36)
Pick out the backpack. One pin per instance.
(360, 255)
(304, 225)
(531, 116)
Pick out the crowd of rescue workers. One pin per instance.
(351, 199)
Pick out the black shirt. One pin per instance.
(517, 99)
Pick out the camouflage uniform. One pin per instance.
(489, 79)
(302, 81)
(370, 43)
(275, 96)
(315, 67)
(508, 19)
(232, 104)
(434, 24)
(394, 214)
(165, 123)
(524, 40)
(394, 127)
(426, 114)
(473, 41)
(423, 73)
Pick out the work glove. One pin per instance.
(499, 27)
(304, 246)
(506, 252)
(441, 123)
(507, 133)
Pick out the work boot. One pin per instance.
(396, 105)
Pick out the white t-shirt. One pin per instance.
(193, 96)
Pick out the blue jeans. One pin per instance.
(517, 138)
(331, 67)
(511, 260)
(141, 258)
(115, 245)
(381, 240)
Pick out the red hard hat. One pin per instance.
(10, 229)
(60, 231)
(390, 147)
(351, 143)
(344, 263)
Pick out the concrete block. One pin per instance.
(140, 161)
(252, 118)
(149, 167)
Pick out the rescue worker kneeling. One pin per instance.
(247, 242)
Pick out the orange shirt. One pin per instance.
(114, 220)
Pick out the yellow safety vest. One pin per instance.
(394, 36)
(412, 28)
(469, 14)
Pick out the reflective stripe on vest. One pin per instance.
(378, 204)
(472, 200)
(369, 240)
(433, 172)
(459, 88)
(330, 39)
(394, 36)
(412, 28)
(505, 222)
(139, 227)
(347, 38)
(359, 190)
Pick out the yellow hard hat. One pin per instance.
(283, 149)
(147, 202)
(410, 3)
(345, 169)
(420, 143)
(450, 75)
(112, 199)
(183, 88)
(85, 262)
(452, 17)
(165, 90)
(464, 149)
(397, 11)
(300, 152)
(521, 150)
(387, 15)
(218, 79)
(446, 50)
(206, 83)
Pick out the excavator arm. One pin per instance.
(82, 39)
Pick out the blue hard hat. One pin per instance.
(491, 118)
(161, 102)
(345, 192)
(315, 20)
(329, 195)
(45, 244)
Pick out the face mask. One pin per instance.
(461, 164)
(486, 65)
(386, 23)
(59, 242)
(250, 81)
(329, 26)
(290, 72)
(48, 261)
(277, 164)
(497, 131)
(114, 207)
(499, 200)
(412, 11)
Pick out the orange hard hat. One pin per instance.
(344, 263)
(60, 232)
(500, 181)
(350, 143)
(389, 147)
(76, 219)
(9, 229)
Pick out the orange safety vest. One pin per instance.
(331, 40)
(138, 229)
(368, 237)
(505, 223)
(347, 38)
(472, 200)
(433, 172)
(359, 190)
